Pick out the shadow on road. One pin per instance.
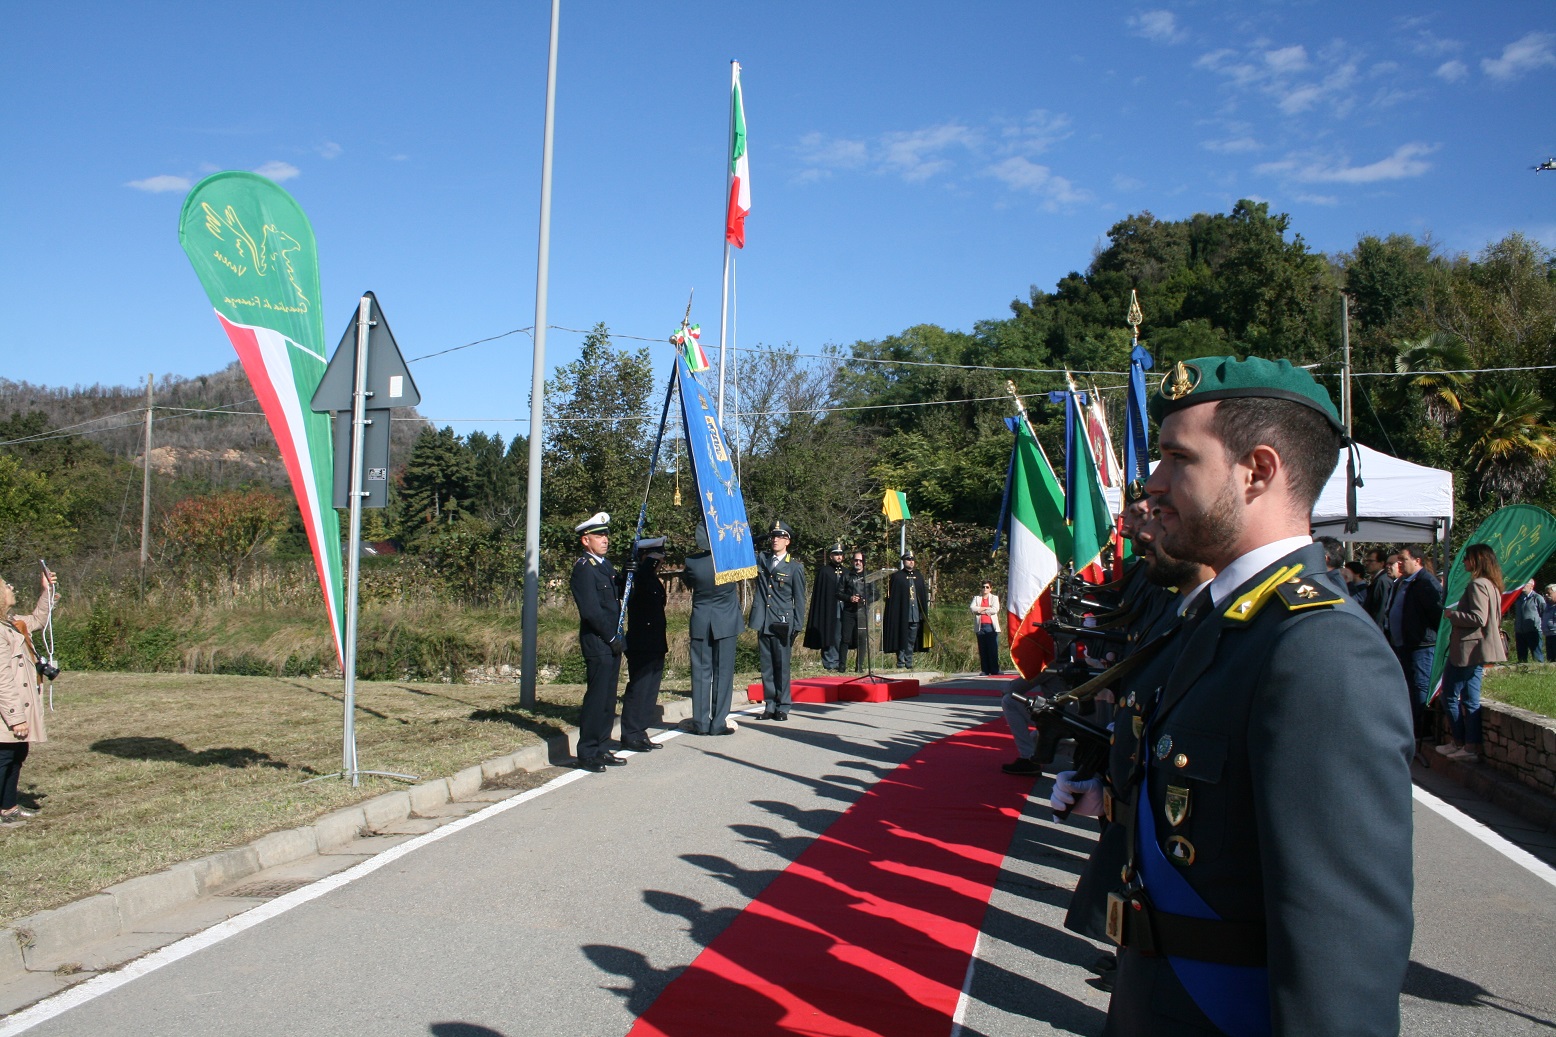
(463, 1030)
(1429, 984)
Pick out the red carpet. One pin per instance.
(870, 931)
(843, 689)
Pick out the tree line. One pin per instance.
(1449, 350)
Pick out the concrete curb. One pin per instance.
(50, 936)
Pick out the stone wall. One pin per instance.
(1519, 744)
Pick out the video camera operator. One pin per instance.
(21, 705)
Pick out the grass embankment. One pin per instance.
(144, 770)
(1530, 686)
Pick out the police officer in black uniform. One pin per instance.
(599, 616)
(777, 616)
(1266, 806)
(646, 646)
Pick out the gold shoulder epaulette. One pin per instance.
(1248, 606)
(1298, 594)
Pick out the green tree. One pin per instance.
(1507, 440)
(597, 436)
(32, 515)
(222, 531)
(438, 484)
(1432, 368)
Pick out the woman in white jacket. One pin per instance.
(986, 610)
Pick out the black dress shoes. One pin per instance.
(639, 745)
(591, 763)
(723, 731)
(780, 716)
(611, 760)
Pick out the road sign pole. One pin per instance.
(354, 565)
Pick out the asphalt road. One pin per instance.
(568, 913)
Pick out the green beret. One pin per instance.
(1227, 378)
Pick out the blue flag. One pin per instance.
(1137, 448)
(718, 487)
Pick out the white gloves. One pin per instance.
(1078, 797)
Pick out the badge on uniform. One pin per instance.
(1139, 725)
(1177, 805)
(1163, 746)
(1180, 851)
(1115, 924)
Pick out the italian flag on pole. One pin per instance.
(740, 169)
(1039, 537)
(1093, 522)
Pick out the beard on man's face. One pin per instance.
(1202, 536)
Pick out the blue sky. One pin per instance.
(911, 162)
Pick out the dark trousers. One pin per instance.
(639, 703)
(1527, 644)
(909, 646)
(1417, 664)
(774, 656)
(598, 713)
(713, 681)
(11, 756)
(850, 637)
(989, 650)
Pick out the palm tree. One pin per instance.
(1507, 440)
(1432, 365)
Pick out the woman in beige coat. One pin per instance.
(21, 709)
(1475, 638)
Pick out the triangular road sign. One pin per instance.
(388, 379)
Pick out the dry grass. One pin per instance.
(145, 770)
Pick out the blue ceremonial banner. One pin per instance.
(1137, 451)
(718, 487)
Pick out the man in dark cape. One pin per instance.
(903, 630)
(825, 628)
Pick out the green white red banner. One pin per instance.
(739, 169)
(254, 252)
(1039, 538)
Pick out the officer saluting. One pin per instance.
(1267, 804)
(599, 617)
(777, 616)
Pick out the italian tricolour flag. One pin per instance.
(740, 171)
(1039, 538)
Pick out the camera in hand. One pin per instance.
(47, 669)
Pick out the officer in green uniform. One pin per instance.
(1267, 805)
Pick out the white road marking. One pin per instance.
(97, 986)
(1517, 854)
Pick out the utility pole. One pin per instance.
(145, 495)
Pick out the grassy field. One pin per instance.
(144, 770)
(1530, 686)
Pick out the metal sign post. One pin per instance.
(388, 376)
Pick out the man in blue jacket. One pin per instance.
(599, 617)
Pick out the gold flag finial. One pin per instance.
(1135, 318)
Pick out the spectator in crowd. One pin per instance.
(1528, 619)
(1355, 576)
(1475, 638)
(1334, 553)
(986, 611)
(1414, 613)
(1381, 584)
(21, 707)
(1548, 624)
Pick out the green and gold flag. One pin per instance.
(254, 252)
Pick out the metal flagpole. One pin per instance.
(729, 179)
(537, 394)
(734, 344)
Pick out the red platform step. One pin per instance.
(844, 689)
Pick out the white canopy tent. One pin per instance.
(1397, 502)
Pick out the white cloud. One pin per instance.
(329, 149)
(919, 155)
(1233, 146)
(1526, 54)
(1160, 26)
(1408, 160)
(159, 184)
(1452, 71)
(1286, 59)
(279, 171)
(1022, 174)
(1318, 199)
(951, 152)
(1126, 183)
